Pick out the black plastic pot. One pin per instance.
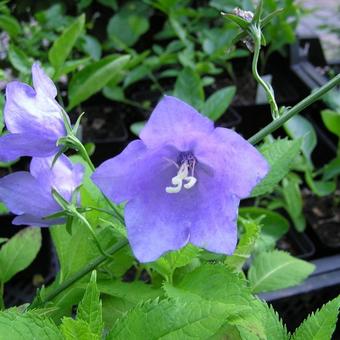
(296, 303)
(297, 244)
(22, 287)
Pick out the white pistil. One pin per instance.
(177, 181)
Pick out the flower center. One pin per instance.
(186, 167)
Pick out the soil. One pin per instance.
(103, 124)
(323, 214)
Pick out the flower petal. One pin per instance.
(122, 177)
(238, 166)
(28, 112)
(215, 222)
(158, 222)
(175, 123)
(42, 83)
(15, 145)
(23, 194)
(64, 176)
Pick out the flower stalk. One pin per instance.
(274, 125)
(256, 35)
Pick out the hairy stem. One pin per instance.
(274, 125)
(269, 92)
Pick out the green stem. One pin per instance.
(274, 125)
(89, 227)
(269, 92)
(83, 153)
(80, 274)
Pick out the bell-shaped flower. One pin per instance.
(33, 118)
(182, 181)
(29, 194)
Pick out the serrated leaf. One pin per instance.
(280, 155)
(273, 226)
(90, 307)
(218, 284)
(246, 244)
(170, 319)
(19, 252)
(321, 324)
(63, 45)
(94, 77)
(218, 102)
(167, 264)
(133, 292)
(189, 88)
(277, 270)
(76, 330)
(30, 325)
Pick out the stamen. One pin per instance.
(191, 182)
(187, 162)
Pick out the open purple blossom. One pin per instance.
(29, 194)
(182, 181)
(33, 118)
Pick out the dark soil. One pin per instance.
(323, 214)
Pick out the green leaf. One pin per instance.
(189, 88)
(277, 270)
(94, 77)
(216, 283)
(218, 102)
(30, 325)
(19, 252)
(321, 324)
(90, 307)
(63, 46)
(134, 292)
(280, 155)
(331, 119)
(299, 127)
(219, 285)
(137, 127)
(76, 330)
(126, 26)
(246, 244)
(322, 187)
(168, 263)
(273, 226)
(10, 25)
(19, 60)
(331, 170)
(243, 23)
(170, 319)
(293, 201)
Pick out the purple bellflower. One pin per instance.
(182, 181)
(29, 194)
(33, 118)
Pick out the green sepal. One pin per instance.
(243, 23)
(257, 16)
